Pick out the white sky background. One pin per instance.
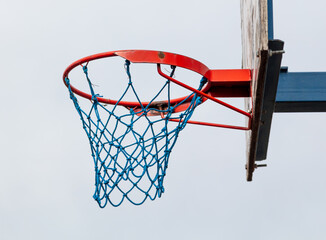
(46, 173)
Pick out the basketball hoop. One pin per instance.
(130, 157)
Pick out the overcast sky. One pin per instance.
(46, 173)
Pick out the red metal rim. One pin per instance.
(159, 57)
(140, 56)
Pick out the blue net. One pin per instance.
(131, 147)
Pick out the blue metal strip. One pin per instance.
(301, 92)
(270, 20)
(301, 86)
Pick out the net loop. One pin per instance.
(131, 149)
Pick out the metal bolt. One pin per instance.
(271, 53)
(260, 165)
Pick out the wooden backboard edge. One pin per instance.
(256, 113)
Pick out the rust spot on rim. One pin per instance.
(161, 55)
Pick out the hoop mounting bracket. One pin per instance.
(229, 83)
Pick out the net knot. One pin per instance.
(95, 96)
(199, 100)
(203, 81)
(85, 69)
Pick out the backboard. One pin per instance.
(262, 55)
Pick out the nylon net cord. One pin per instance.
(131, 149)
